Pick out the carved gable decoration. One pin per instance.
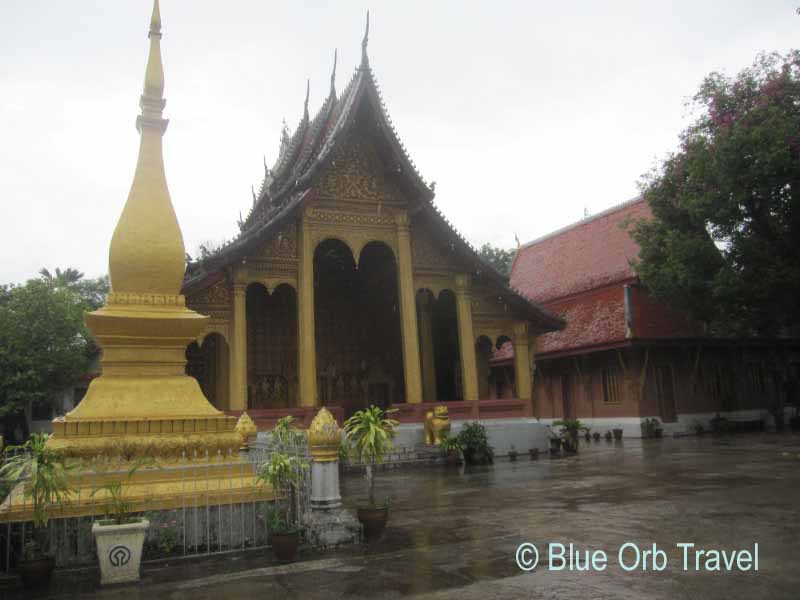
(215, 295)
(355, 173)
(283, 244)
(426, 251)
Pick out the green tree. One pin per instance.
(725, 238)
(91, 291)
(44, 345)
(499, 258)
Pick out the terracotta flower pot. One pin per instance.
(36, 572)
(374, 522)
(285, 545)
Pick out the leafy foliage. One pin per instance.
(117, 507)
(570, 426)
(44, 344)
(284, 433)
(499, 258)
(724, 241)
(48, 480)
(369, 433)
(285, 474)
(475, 444)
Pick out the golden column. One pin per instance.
(425, 319)
(466, 337)
(143, 404)
(306, 345)
(522, 360)
(408, 312)
(238, 377)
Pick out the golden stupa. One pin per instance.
(144, 406)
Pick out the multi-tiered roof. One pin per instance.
(306, 153)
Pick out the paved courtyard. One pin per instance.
(454, 534)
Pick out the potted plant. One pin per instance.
(453, 450)
(618, 434)
(651, 428)
(120, 536)
(47, 482)
(284, 473)
(512, 454)
(475, 444)
(369, 433)
(555, 444)
(570, 428)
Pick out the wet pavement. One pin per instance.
(454, 533)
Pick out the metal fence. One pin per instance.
(206, 520)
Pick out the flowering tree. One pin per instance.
(725, 239)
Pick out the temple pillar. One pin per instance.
(466, 338)
(222, 374)
(237, 398)
(306, 340)
(522, 361)
(408, 312)
(425, 320)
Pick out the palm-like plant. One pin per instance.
(47, 477)
(284, 473)
(369, 433)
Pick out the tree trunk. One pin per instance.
(371, 485)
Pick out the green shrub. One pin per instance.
(475, 444)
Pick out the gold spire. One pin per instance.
(147, 252)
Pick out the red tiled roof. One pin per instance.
(587, 255)
(594, 318)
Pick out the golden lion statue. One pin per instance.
(437, 425)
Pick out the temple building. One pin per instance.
(624, 356)
(347, 287)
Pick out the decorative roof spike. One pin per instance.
(364, 57)
(154, 75)
(333, 73)
(305, 105)
(253, 191)
(284, 139)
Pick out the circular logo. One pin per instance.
(527, 556)
(119, 556)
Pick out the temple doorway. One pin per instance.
(271, 347)
(209, 364)
(446, 353)
(357, 321)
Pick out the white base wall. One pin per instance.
(685, 424)
(522, 434)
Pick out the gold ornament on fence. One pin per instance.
(247, 430)
(324, 437)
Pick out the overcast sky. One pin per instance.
(525, 114)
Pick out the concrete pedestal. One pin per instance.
(325, 485)
(327, 523)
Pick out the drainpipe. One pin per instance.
(628, 312)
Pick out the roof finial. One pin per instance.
(155, 19)
(154, 75)
(308, 92)
(333, 73)
(364, 57)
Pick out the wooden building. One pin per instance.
(347, 287)
(624, 356)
